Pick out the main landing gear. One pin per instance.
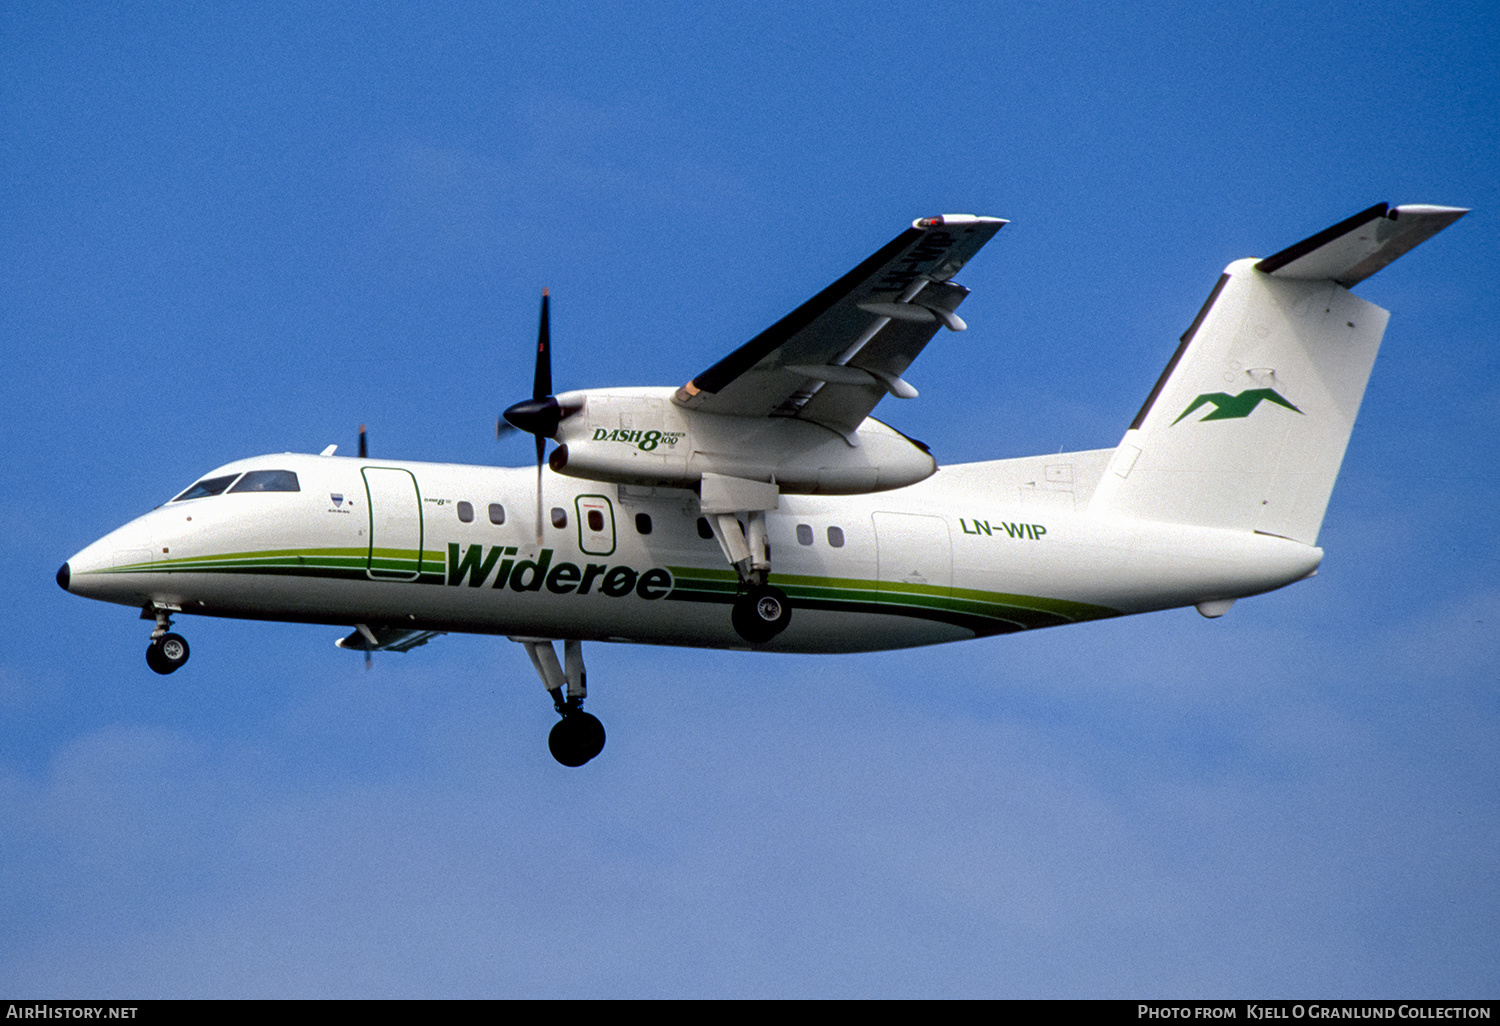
(578, 736)
(167, 652)
(761, 610)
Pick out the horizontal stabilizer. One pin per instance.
(1356, 248)
(386, 639)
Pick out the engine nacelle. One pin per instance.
(640, 437)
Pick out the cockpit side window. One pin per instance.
(267, 481)
(208, 486)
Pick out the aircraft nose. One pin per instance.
(101, 569)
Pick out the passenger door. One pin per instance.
(395, 552)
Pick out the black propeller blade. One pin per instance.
(542, 413)
(541, 381)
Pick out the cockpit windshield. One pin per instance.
(267, 481)
(254, 481)
(208, 486)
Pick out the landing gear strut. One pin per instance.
(578, 736)
(167, 652)
(761, 610)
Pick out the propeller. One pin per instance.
(542, 413)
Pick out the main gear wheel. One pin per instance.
(760, 613)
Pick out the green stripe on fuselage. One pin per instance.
(984, 612)
(309, 562)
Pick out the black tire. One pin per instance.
(167, 653)
(155, 661)
(761, 613)
(576, 738)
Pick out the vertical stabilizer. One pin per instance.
(1248, 424)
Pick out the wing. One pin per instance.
(832, 359)
(386, 639)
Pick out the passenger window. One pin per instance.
(560, 518)
(497, 513)
(466, 512)
(596, 520)
(206, 487)
(643, 523)
(804, 534)
(836, 537)
(704, 531)
(267, 481)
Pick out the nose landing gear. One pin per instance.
(167, 652)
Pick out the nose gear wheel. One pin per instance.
(167, 653)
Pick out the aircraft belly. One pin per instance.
(686, 618)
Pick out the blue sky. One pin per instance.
(236, 232)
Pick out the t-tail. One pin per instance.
(1247, 426)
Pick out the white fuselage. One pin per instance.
(975, 549)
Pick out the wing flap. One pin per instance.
(885, 358)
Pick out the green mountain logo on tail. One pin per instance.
(1234, 407)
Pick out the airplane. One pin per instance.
(760, 506)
